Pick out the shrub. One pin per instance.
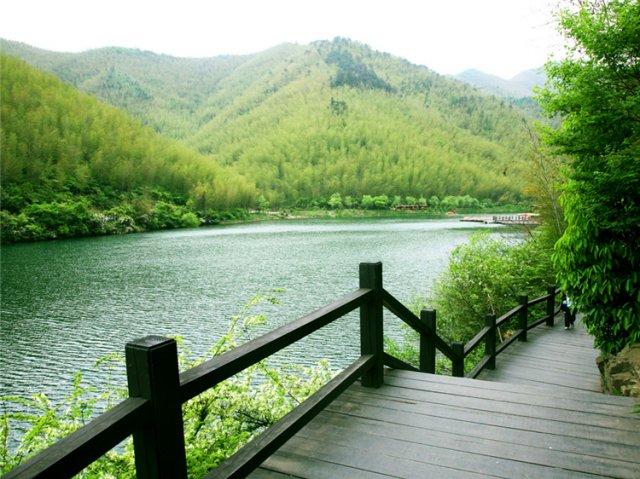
(486, 276)
(61, 219)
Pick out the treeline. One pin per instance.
(383, 202)
(49, 211)
(72, 166)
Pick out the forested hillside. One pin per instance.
(307, 121)
(73, 166)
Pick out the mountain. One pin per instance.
(519, 86)
(307, 121)
(72, 166)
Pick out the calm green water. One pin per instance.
(66, 304)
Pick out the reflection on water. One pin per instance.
(67, 303)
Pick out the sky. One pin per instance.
(501, 37)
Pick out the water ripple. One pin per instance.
(65, 304)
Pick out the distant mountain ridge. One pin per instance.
(519, 86)
(307, 121)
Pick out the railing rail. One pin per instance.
(74, 452)
(488, 333)
(209, 373)
(153, 415)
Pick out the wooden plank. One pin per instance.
(521, 406)
(532, 396)
(497, 431)
(560, 342)
(526, 358)
(557, 336)
(563, 357)
(292, 464)
(582, 377)
(555, 357)
(476, 455)
(589, 396)
(513, 374)
(268, 474)
(486, 417)
(358, 454)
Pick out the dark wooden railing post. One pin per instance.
(427, 343)
(523, 317)
(152, 373)
(551, 305)
(457, 364)
(490, 340)
(371, 333)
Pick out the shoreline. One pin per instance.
(291, 214)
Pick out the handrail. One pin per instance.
(457, 352)
(519, 335)
(74, 452)
(157, 391)
(209, 373)
(395, 363)
(477, 340)
(508, 315)
(403, 313)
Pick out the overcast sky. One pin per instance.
(502, 37)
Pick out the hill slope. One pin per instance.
(66, 159)
(311, 120)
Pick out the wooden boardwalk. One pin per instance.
(539, 417)
(552, 357)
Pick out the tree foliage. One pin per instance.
(597, 92)
(352, 73)
(486, 276)
(545, 182)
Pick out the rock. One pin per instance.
(621, 373)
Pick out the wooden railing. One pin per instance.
(458, 351)
(153, 411)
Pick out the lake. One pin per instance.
(67, 303)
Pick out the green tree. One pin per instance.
(597, 92)
(335, 202)
(545, 182)
(263, 203)
(380, 202)
(367, 202)
(486, 276)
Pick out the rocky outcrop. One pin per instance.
(621, 373)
